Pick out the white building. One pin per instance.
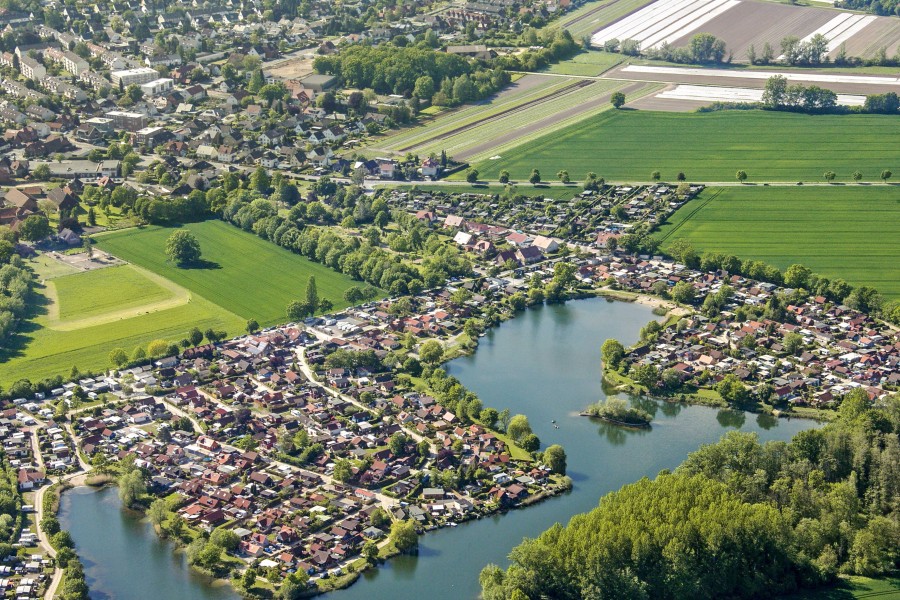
(158, 86)
(136, 76)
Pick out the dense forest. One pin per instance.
(436, 77)
(737, 519)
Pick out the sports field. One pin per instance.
(844, 231)
(81, 316)
(248, 276)
(629, 145)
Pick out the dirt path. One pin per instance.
(180, 296)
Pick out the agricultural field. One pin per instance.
(533, 105)
(841, 231)
(589, 63)
(745, 23)
(709, 147)
(246, 275)
(586, 20)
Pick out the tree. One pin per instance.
(705, 47)
(684, 293)
(131, 488)
(555, 458)
(195, 336)
(158, 512)
(655, 175)
(885, 175)
(431, 352)
(41, 172)
(252, 325)
(472, 175)
(612, 352)
(34, 228)
(617, 99)
(182, 248)
(563, 176)
(343, 471)
(370, 552)
(312, 294)
(857, 176)
(535, 177)
(793, 343)
(504, 176)
(297, 311)
(775, 92)
(118, 357)
(741, 176)
(829, 176)
(226, 539)
(797, 276)
(260, 180)
(403, 535)
(518, 427)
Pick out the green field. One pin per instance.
(883, 588)
(629, 145)
(249, 277)
(119, 288)
(40, 351)
(83, 316)
(587, 64)
(593, 16)
(844, 231)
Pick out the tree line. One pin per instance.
(737, 519)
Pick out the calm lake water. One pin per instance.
(545, 364)
(123, 557)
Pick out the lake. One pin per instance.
(123, 557)
(545, 364)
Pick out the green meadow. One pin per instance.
(628, 145)
(243, 273)
(846, 231)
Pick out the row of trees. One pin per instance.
(16, 282)
(737, 519)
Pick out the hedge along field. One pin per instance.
(842, 231)
(627, 145)
(249, 276)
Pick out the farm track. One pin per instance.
(509, 111)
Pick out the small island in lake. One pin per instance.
(618, 412)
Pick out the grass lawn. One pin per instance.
(246, 275)
(38, 351)
(123, 287)
(629, 145)
(854, 587)
(845, 231)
